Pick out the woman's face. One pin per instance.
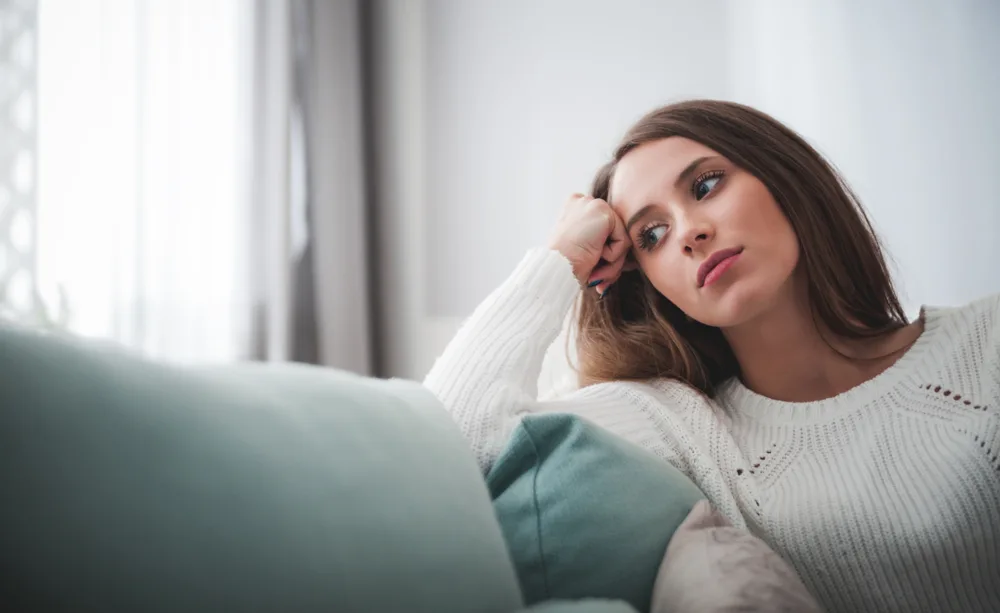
(707, 234)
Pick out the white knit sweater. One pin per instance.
(884, 498)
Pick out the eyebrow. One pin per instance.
(683, 177)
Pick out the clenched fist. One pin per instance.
(592, 237)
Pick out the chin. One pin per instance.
(736, 305)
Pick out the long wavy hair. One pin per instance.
(635, 333)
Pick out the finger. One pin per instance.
(618, 242)
(605, 276)
(608, 272)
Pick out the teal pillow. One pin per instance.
(591, 605)
(132, 486)
(586, 514)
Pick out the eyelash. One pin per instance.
(643, 241)
(711, 174)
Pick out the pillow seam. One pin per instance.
(538, 507)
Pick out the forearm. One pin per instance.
(489, 372)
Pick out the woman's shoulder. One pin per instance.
(988, 305)
(979, 316)
(961, 332)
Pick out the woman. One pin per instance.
(738, 319)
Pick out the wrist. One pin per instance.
(581, 277)
(573, 262)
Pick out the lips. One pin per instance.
(714, 260)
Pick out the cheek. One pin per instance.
(763, 223)
(792, 253)
(778, 261)
(669, 282)
(786, 245)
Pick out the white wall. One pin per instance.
(492, 112)
(525, 100)
(903, 97)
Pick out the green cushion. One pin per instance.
(586, 514)
(592, 605)
(132, 486)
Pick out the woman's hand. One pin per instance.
(592, 237)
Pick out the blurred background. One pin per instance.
(342, 181)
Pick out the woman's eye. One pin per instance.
(704, 186)
(649, 238)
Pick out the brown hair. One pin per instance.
(634, 333)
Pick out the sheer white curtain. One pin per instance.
(18, 146)
(201, 189)
(310, 237)
(143, 162)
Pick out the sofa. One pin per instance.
(131, 485)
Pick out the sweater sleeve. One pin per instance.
(488, 374)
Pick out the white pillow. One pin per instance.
(712, 567)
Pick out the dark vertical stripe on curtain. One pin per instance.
(366, 31)
(304, 338)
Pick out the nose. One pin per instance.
(696, 234)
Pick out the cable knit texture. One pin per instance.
(884, 498)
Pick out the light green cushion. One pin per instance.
(131, 486)
(590, 605)
(586, 514)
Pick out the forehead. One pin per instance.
(650, 170)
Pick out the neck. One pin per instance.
(785, 355)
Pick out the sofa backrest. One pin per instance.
(135, 486)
